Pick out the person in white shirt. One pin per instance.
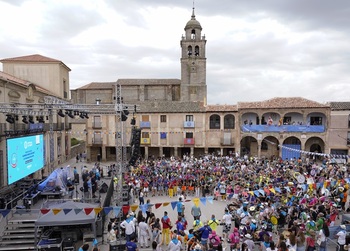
(341, 237)
(145, 233)
(227, 219)
(129, 226)
(174, 244)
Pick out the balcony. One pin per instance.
(188, 124)
(348, 142)
(188, 141)
(283, 128)
(145, 141)
(145, 124)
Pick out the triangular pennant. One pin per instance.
(256, 192)
(272, 190)
(173, 204)
(66, 211)
(278, 190)
(196, 202)
(88, 210)
(95, 242)
(165, 204)
(97, 210)
(117, 210)
(251, 193)
(210, 199)
(134, 207)
(5, 212)
(203, 200)
(77, 210)
(106, 210)
(44, 210)
(157, 205)
(126, 209)
(56, 210)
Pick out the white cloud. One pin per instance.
(255, 49)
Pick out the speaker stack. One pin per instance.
(104, 188)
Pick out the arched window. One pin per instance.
(193, 34)
(229, 122)
(196, 51)
(264, 146)
(214, 122)
(189, 50)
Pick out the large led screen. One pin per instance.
(25, 155)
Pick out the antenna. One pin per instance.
(193, 4)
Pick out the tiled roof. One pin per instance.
(170, 81)
(295, 102)
(18, 81)
(221, 108)
(97, 85)
(35, 58)
(339, 105)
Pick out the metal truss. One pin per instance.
(52, 105)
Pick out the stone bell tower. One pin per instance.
(193, 63)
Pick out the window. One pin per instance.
(189, 117)
(189, 50)
(145, 135)
(315, 120)
(264, 146)
(97, 122)
(196, 51)
(348, 139)
(193, 34)
(349, 122)
(287, 120)
(214, 122)
(189, 135)
(229, 122)
(65, 92)
(163, 118)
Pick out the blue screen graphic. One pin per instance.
(25, 155)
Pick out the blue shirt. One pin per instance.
(131, 246)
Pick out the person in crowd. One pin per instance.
(129, 226)
(166, 227)
(196, 212)
(341, 235)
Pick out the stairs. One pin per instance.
(19, 235)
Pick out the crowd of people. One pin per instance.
(272, 204)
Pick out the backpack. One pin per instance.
(213, 239)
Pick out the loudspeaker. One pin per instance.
(104, 188)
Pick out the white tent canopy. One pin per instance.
(67, 216)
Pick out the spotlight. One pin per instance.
(60, 113)
(41, 119)
(86, 115)
(82, 115)
(31, 119)
(70, 113)
(10, 119)
(133, 121)
(76, 113)
(24, 120)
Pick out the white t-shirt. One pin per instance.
(341, 237)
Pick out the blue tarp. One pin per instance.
(282, 128)
(58, 178)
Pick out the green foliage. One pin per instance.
(74, 141)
